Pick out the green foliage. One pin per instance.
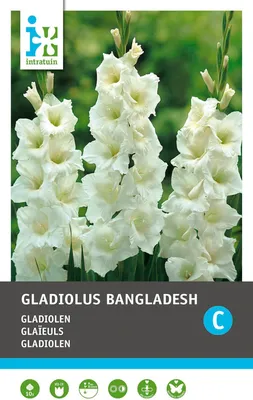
(222, 53)
(177, 46)
(41, 79)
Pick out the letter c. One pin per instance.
(215, 320)
(218, 320)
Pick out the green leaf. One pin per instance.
(130, 266)
(120, 17)
(83, 272)
(227, 40)
(235, 202)
(223, 79)
(153, 274)
(112, 276)
(224, 23)
(121, 270)
(13, 272)
(126, 34)
(140, 272)
(161, 273)
(238, 260)
(219, 61)
(42, 79)
(71, 264)
(92, 276)
(230, 15)
(77, 274)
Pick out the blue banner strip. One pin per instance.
(126, 363)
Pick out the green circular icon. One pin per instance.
(30, 389)
(88, 389)
(147, 389)
(59, 389)
(176, 388)
(117, 389)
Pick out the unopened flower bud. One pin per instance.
(227, 96)
(225, 61)
(33, 96)
(116, 36)
(128, 16)
(208, 81)
(50, 82)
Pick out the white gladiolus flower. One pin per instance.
(109, 75)
(188, 193)
(193, 147)
(56, 117)
(33, 96)
(228, 134)
(216, 220)
(141, 93)
(132, 56)
(104, 195)
(62, 158)
(177, 235)
(107, 114)
(40, 227)
(219, 257)
(32, 143)
(200, 112)
(227, 96)
(109, 152)
(206, 173)
(39, 264)
(31, 186)
(170, 247)
(146, 222)
(145, 176)
(221, 177)
(48, 167)
(68, 193)
(186, 269)
(74, 234)
(123, 136)
(144, 139)
(108, 244)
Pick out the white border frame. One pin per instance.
(5, 68)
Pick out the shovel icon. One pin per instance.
(59, 391)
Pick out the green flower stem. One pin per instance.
(222, 53)
(83, 272)
(123, 20)
(121, 270)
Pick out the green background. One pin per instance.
(177, 46)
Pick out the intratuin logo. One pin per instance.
(43, 43)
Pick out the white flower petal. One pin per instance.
(141, 93)
(56, 118)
